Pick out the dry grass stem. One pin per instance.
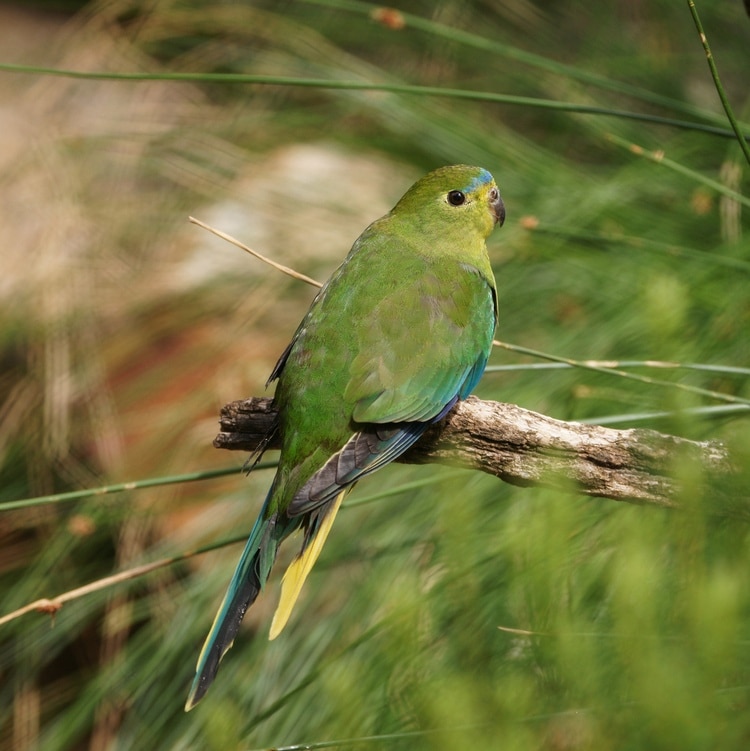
(280, 267)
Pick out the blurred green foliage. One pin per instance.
(466, 614)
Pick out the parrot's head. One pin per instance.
(460, 197)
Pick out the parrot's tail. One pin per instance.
(294, 577)
(248, 579)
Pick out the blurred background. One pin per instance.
(459, 614)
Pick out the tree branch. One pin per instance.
(525, 448)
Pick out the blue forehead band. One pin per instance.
(483, 178)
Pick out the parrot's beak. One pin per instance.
(498, 210)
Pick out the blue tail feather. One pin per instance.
(246, 583)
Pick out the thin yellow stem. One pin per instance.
(279, 267)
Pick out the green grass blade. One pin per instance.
(392, 88)
(658, 158)
(588, 365)
(152, 482)
(516, 54)
(717, 81)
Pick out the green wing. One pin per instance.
(423, 346)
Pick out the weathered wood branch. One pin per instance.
(525, 448)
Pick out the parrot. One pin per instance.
(398, 335)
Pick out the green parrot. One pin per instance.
(400, 332)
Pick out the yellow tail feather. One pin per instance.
(300, 567)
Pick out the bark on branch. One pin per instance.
(526, 448)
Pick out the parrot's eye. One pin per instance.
(494, 194)
(456, 198)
